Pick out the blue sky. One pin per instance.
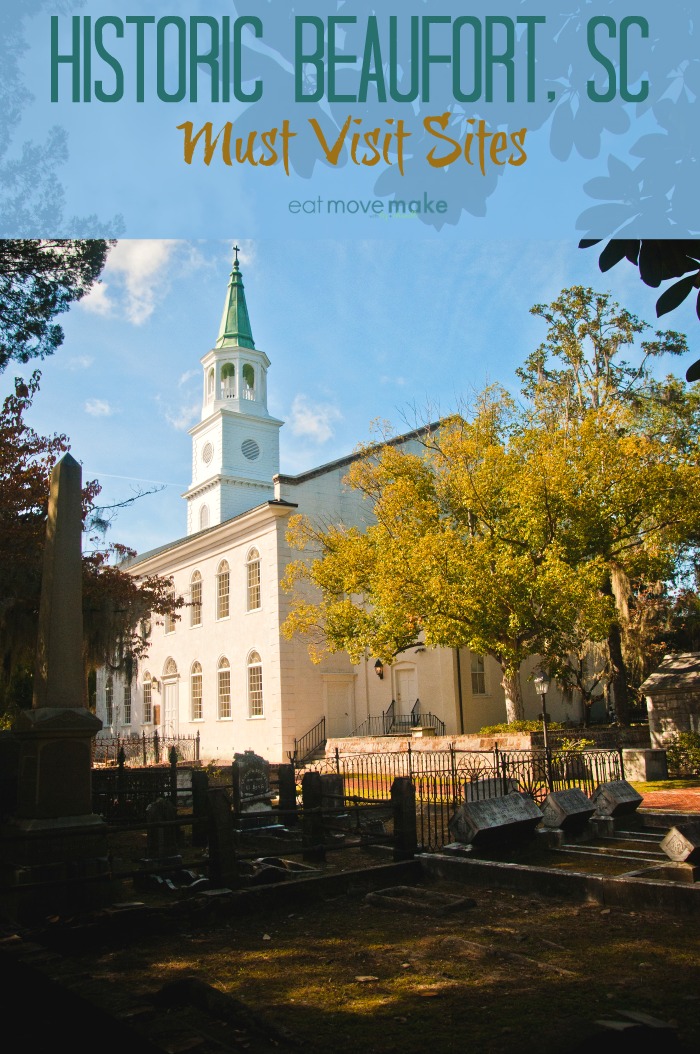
(356, 332)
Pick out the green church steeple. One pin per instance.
(235, 330)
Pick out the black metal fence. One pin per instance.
(391, 723)
(445, 778)
(144, 750)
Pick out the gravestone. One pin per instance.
(496, 822)
(333, 792)
(616, 798)
(223, 867)
(252, 798)
(493, 787)
(682, 843)
(162, 837)
(569, 810)
(414, 901)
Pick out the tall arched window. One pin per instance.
(248, 377)
(224, 688)
(253, 569)
(147, 699)
(196, 709)
(211, 380)
(109, 700)
(255, 685)
(196, 599)
(170, 617)
(203, 517)
(228, 380)
(126, 720)
(222, 590)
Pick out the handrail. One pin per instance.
(309, 742)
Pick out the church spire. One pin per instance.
(235, 330)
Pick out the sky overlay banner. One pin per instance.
(187, 119)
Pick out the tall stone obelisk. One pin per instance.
(60, 844)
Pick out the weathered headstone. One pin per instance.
(568, 809)
(252, 796)
(616, 798)
(163, 835)
(682, 843)
(288, 795)
(493, 787)
(223, 869)
(403, 805)
(333, 790)
(496, 822)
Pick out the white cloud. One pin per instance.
(187, 376)
(78, 362)
(98, 408)
(136, 278)
(313, 420)
(183, 417)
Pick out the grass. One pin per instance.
(344, 975)
(666, 785)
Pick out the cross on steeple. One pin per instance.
(236, 251)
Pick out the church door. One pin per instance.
(170, 715)
(340, 707)
(406, 689)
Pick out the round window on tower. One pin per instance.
(207, 453)
(250, 449)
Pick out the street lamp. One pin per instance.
(541, 685)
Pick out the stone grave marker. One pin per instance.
(569, 810)
(333, 792)
(682, 843)
(616, 798)
(223, 867)
(163, 838)
(415, 901)
(252, 798)
(496, 822)
(493, 787)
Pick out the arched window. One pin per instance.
(255, 685)
(196, 599)
(224, 688)
(248, 376)
(228, 380)
(170, 668)
(204, 517)
(109, 700)
(196, 692)
(222, 590)
(170, 617)
(147, 699)
(211, 379)
(127, 705)
(253, 568)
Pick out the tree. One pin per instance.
(518, 530)
(114, 603)
(578, 372)
(39, 280)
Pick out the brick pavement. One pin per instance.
(687, 800)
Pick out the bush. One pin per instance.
(516, 726)
(575, 744)
(683, 754)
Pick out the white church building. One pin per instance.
(222, 669)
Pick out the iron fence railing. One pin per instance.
(143, 749)
(390, 723)
(445, 778)
(309, 743)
